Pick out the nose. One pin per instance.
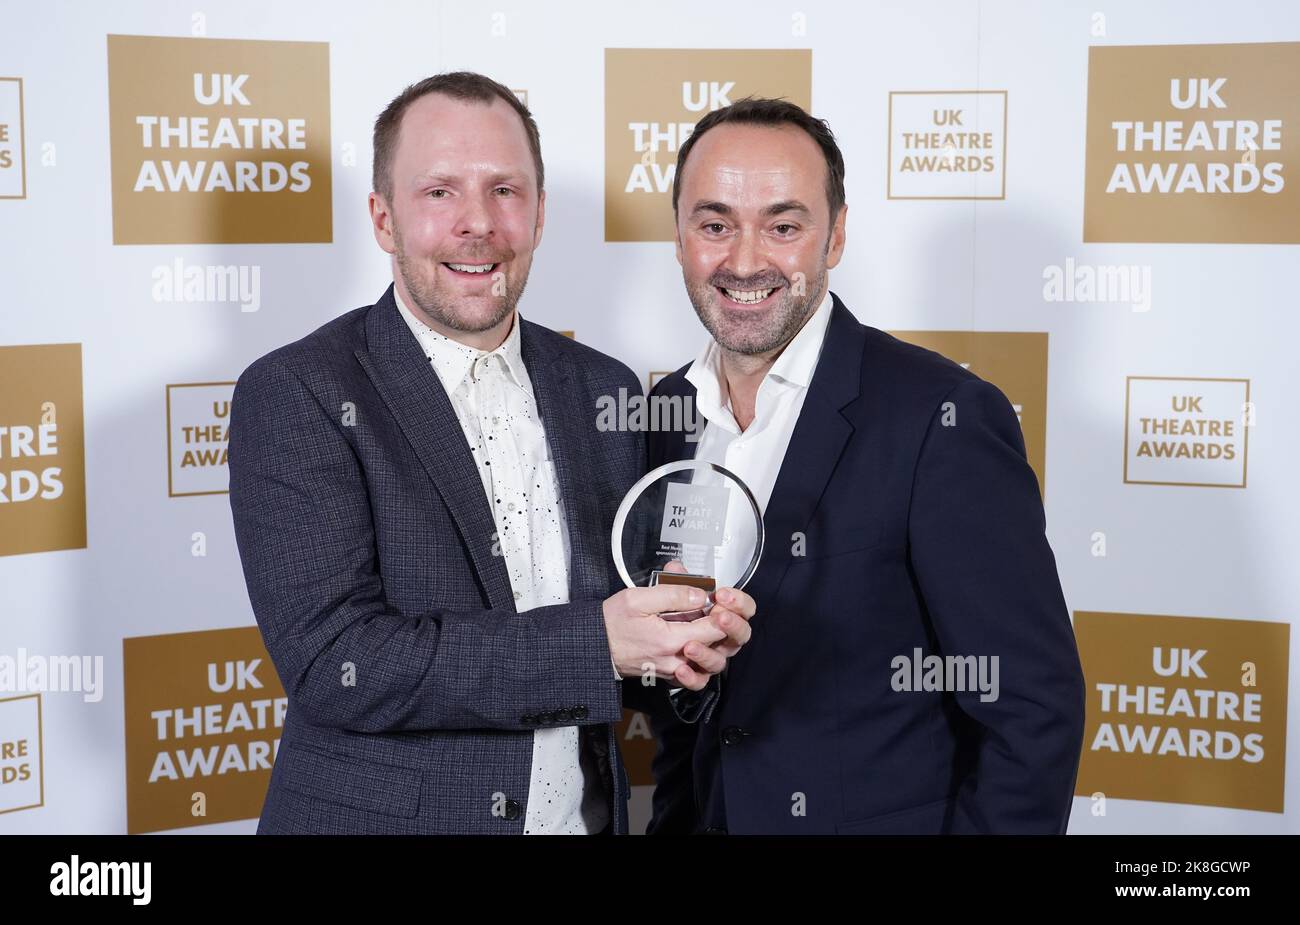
(475, 219)
(747, 256)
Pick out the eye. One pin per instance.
(715, 227)
(504, 190)
(438, 194)
(790, 229)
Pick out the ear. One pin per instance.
(541, 218)
(381, 222)
(677, 240)
(836, 249)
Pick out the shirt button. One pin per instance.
(518, 595)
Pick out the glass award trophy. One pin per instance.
(689, 522)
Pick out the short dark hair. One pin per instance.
(459, 85)
(760, 111)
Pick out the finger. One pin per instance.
(665, 669)
(689, 678)
(704, 658)
(736, 629)
(736, 601)
(726, 648)
(675, 565)
(704, 631)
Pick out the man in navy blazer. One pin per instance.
(915, 670)
(423, 503)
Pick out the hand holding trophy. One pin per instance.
(688, 523)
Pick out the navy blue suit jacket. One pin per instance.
(922, 528)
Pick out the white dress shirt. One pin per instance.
(492, 396)
(756, 453)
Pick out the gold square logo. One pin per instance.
(13, 150)
(1193, 143)
(219, 141)
(654, 97)
(204, 712)
(1191, 432)
(1184, 709)
(198, 437)
(22, 754)
(637, 743)
(42, 449)
(947, 144)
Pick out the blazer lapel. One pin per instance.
(671, 444)
(406, 381)
(818, 440)
(568, 414)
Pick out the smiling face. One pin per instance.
(755, 235)
(465, 215)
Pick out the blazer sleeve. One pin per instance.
(348, 660)
(989, 582)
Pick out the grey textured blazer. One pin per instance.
(414, 686)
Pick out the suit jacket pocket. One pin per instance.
(926, 819)
(349, 780)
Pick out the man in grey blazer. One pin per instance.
(423, 503)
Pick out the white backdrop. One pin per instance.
(1218, 310)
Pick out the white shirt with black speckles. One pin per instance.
(492, 396)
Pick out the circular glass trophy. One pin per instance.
(689, 522)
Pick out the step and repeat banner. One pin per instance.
(1095, 207)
